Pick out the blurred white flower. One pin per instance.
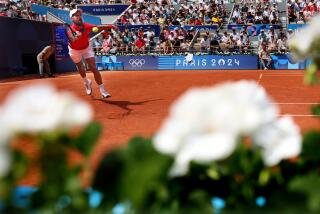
(279, 140)
(198, 119)
(40, 108)
(203, 149)
(5, 160)
(5, 134)
(304, 41)
(5, 156)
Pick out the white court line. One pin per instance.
(299, 115)
(284, 75)
(260, 77)
(296, 103)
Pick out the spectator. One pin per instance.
(140, 45)
(205, 44)
(282, 44)
(264, 57)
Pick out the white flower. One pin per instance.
(5, 160)
(203, 149)
(279, 140)
(211, 119)
(303, 41)
(40, 108)
(5, 134)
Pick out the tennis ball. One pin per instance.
(95, 29)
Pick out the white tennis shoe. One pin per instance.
(104, 93)
(88, 86)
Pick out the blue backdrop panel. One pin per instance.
(139, 62)
(285, 62)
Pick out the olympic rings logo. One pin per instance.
(137, 62)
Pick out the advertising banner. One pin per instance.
(155, 28)
(64, 14)
(296, 26)
(103, 10)
(196, 27)
(253, 30)
(208, 62)
(61, 40)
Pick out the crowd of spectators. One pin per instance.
(144, 41)
(164, 13)
(168, 13)
(301, 11)
(275, 42)
(255, 13)
(226, 42)
(272, 42)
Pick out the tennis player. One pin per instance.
(80, 48)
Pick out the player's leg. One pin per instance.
(97, 76)
(41, 64)
(47, 67)
(76, 57)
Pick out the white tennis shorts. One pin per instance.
(77, 55)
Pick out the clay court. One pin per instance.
(140, 100)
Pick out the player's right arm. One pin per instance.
(72, 36)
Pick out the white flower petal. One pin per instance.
(40, 108)
(171, 135)
(203, 117)
(203, 149)
(76, 112)
(279, 140)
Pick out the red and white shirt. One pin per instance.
(83, 41)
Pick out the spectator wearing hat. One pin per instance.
(282, 44)
(265, 57)
(290, 34)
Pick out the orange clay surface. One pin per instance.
(141, 100)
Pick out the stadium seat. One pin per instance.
(116, 64)
(107, 63)
(99, 63)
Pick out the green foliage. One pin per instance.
(137, 173)
(308, 185)
(316, 110)
(311, 146)
(87, 139)
(60, 189)
(310, 77)
(138, 177)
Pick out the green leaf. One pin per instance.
(310, 74)
(135, 173)
(19, 166)
(316, 110)
(144, 172)
(264, 177)
(309, 185)
(311, 146)
(108, 177)
(88, 138)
